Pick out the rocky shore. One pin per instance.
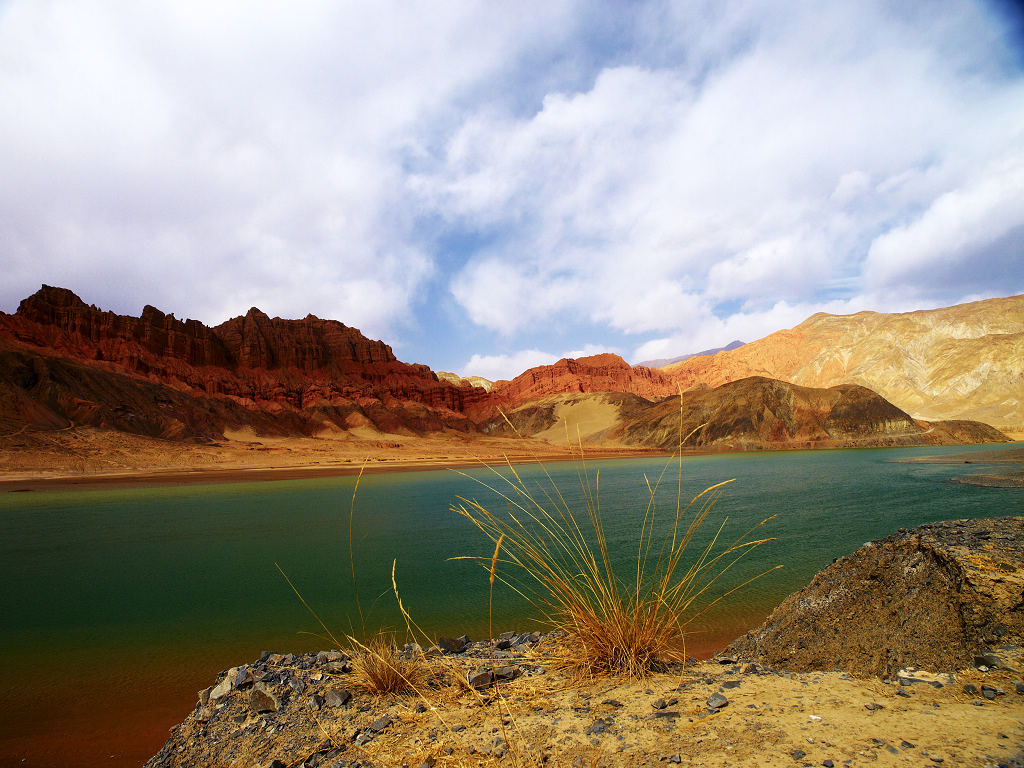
(908, 652)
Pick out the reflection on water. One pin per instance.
(120, 604)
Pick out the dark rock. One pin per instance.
(338, 697)
(729, 684)
(480, 679)
(906, 745)
(798, 754)
(380, 724)
(828, 764)
(1019, 687)
(504, 674)
(317, 701)
(244, 677)
(717, 701)
(600, 725)
(873, 707)
(971, 690)
(337, 667)
(674, 759)
(451, 644)
(989, 692)
(659, 704)
(262, 700)
(612, 703)
(297, 684)
(901, 692)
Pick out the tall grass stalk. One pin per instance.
(615, 625)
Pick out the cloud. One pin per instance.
(748, 176)
(497, 367)
(653, 174)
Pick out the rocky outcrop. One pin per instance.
(936, 597)
(961, 362)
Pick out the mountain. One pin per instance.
(66, 364)
(960, 362)
(661, 362)
(596, 373)
(63, 361)
(749, 414)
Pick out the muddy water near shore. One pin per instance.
(120, 604)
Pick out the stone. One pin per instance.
(873, 707)
(297, 684)
(262, 700)
(480, 679)
(504, 674)
(243, 678)
(612, 703)
(989, 692)
(729, 684)
(599, 726)
(828, 763)
(798, 754)
(659, 704)
(380, 724)
(223, 688)
(338, 697)
(450, 645)
(717, 701)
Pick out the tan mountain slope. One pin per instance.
(750, 414)
(961, 362)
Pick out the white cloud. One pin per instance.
(497, 367)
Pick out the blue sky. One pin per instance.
(488, 187)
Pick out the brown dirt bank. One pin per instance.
(936, 597)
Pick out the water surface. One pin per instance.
(119, 604)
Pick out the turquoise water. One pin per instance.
(142, 594)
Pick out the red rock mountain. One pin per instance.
(597, 373)
(64, 360)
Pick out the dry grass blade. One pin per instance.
(378, 667)
(565, 569)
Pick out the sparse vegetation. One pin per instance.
(614, 623)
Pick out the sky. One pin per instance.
(492, 186)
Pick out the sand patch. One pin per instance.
(586, 417)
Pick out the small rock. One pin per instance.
(906, 744)
(380, 724)
(338, 697)
(717, 701)
(277, 764)
(901, 692)
(1020, 688)
(337, 667)
(828, 764)
(600, 725)
(873, 707)
(971, 690)
(798, 754)
(244, 677)
(480, 679)
(669, 714)
(748, 668)
(297, 684)
(989, 692)
(262, 700)
(317, 701)
(505, 673)
(674, 759)
(612, 703)
(659, 704)
(451, 644)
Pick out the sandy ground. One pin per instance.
(547, 719)
(86, 456)
(1010, 461)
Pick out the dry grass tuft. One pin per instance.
(377, 667)
(615, 625)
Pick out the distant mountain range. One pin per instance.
(64, 363)
(661, 362)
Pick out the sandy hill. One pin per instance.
(960, 362)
